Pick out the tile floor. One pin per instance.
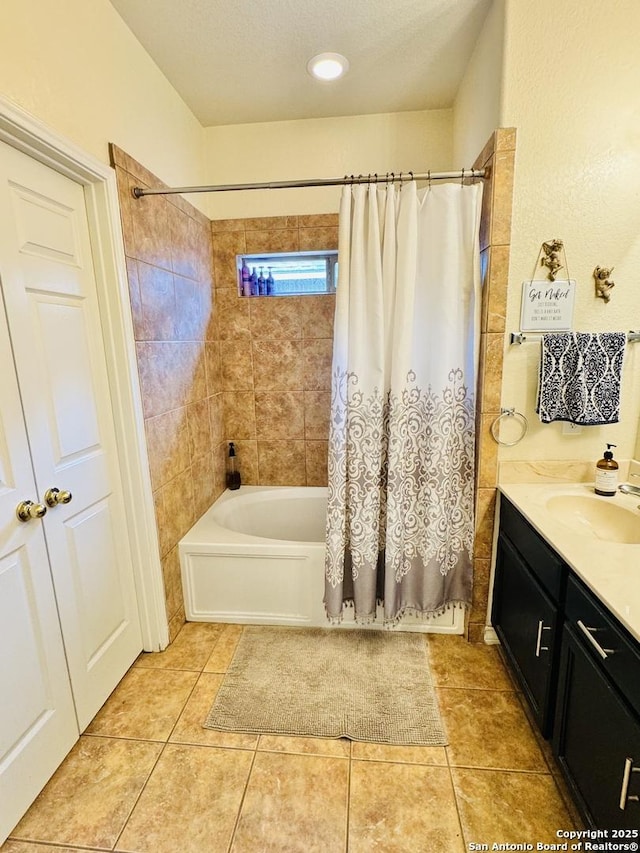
(146, 777)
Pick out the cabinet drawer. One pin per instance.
(545, 564)
(621, 660)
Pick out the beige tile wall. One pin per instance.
(498, 156)
(168, 252)
(275, 355)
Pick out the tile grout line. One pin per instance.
(483, 768)
(54, 845)
(455, 799)
(242, 799)
(186, 702)
(485, 689)
(137, 799)
(348, 810)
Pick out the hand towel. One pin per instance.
(580, 375)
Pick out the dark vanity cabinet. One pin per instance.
(529, 586)
(596, 735)
(578, 667)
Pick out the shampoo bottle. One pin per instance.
(233, 475)
(607, 474)
(253, 283)
(245, 283)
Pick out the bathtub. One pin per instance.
(257, 557)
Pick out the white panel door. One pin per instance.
(37, 719)
(52, 311)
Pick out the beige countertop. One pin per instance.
(610, 569)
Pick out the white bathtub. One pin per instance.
(257, 557)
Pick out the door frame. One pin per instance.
(23, 131)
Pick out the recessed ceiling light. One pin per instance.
(328, 66)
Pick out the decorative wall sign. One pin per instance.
(547, 306)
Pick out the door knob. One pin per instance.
(53, 497)
(26, 510)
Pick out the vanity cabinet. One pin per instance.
(529, 585)
(596, 734)
(578, 667)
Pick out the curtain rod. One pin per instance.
(389, 177)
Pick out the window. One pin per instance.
(287, 273)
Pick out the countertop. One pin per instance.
(611, 570)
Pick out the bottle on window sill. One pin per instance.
(253, 283)
(245, 283)
(262, 284)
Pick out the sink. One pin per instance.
(608, 521)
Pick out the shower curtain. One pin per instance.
(401, 446)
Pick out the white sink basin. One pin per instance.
(598, 517)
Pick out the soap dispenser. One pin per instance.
(233, 475)
(607, 474)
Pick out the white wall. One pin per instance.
(572, 78)
(77, 67)
(477, 107)
(319, 148)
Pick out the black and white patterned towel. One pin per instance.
(580, 375)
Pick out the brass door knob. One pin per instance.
(26, 510)
(53, 497)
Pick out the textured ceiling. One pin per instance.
(245, 61)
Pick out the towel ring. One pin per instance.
(509, 413)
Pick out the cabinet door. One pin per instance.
(54, 322)
(525, 620)
(597, 740)
(37, 720)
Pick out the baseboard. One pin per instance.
(490, 636)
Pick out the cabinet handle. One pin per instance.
(539, 647)
(604, 653)
(626, 775)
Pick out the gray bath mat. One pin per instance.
(364, 685)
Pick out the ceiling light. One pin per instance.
(328, 66)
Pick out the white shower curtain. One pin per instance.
(401, 448)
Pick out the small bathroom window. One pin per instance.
(287, 273)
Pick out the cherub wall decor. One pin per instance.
(551, 259)
(604, 285)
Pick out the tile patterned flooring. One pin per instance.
(147, 778)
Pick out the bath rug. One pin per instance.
(363, 685)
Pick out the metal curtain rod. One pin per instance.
(520, 337)
(390, 177)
